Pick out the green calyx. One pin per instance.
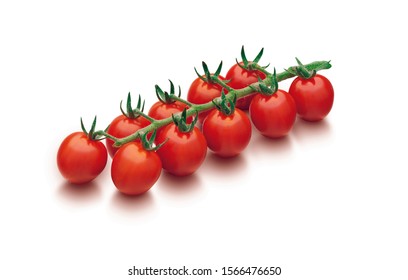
(263, 88)
(92, 135)
(166, 97)
(180, 120)
(226, 105)
(148, 144)
(250, 65)
(130, 112)
(207, 77)
(302, 71)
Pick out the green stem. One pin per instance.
(222, 83)
(139, 112)
(174, 97)
(317, 66)
(258, 67)
(197, 108)
(107, 135)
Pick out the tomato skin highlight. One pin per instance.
(123, 126)
(135, 170)
(80, 159)
(227, 135)
(241, 78)
(201, 92)
(313, 97)
(273, 115)
(184, 152)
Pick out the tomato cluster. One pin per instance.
(176, 133)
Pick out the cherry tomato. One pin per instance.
(135, 170)
(123, 126)
(80, 159)
(201, 92)
(313, 97)
(184, 152)
(273, 115)
(161, 110)
(227, 135)
(240, 78)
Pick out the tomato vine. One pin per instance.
(238, 93)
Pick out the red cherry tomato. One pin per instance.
(123, 126)
(201, 92)
(227, 135)
(241, 78)
(184, 152)
(161, 110)
(313, 97)
(273, 115)
(80, 159)
(135, 170)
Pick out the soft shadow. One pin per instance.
(224, 166)
(179, 185)
(132, 204)
(304, 130)
(273, 146)
(83, 193)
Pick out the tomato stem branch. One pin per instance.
(260, 68)
(222, 83)
(139, 112)
(107, 135)
(189, 104)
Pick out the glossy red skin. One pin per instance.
(134, 170)
(274, 115)
(201, 92)
(161, 110)
(241, 78)
(123, 126)
(79, 159)
(184, 152)
(227, 135)
(313, 97)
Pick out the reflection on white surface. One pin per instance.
(79, 194)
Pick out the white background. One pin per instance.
(327, 202)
